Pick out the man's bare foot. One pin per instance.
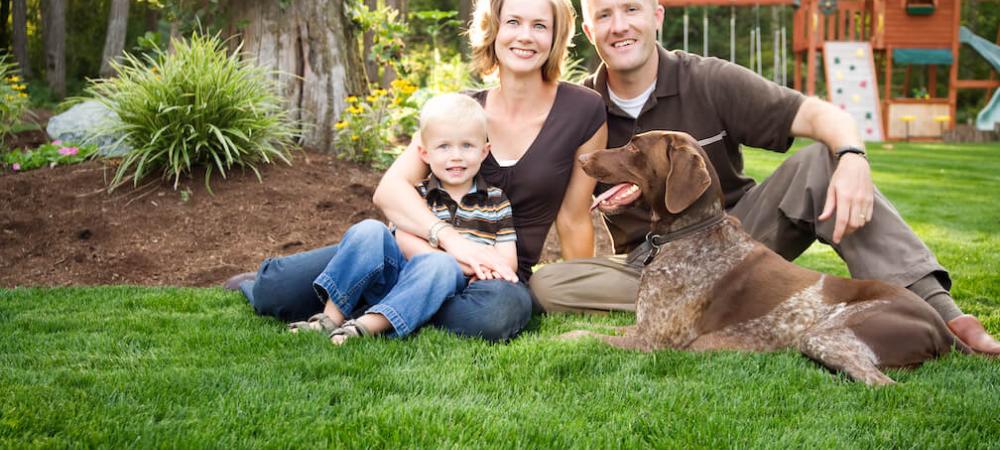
(968, 328)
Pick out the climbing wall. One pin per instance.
(851, 84)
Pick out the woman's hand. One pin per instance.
(484, 260)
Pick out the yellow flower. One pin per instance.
(401, 84)
(380, 92)
(371, 99)
(396, 101)
(409, 89)
(355, 110)
(355, 137)
(352, 99)
(14, 79)
(22, 95)
(19, 87)
(341, 125)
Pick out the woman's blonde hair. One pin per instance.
(486, 24)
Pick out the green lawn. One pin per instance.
(152, 367)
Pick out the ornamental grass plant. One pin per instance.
(196, 106)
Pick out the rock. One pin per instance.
(83, 123)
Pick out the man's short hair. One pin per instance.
(486, 24)
(453, 108)
(585, 8)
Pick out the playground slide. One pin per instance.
(989, 116)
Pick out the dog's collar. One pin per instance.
(656, 241)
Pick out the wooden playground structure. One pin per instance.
(907, 34)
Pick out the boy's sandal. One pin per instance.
(318, 322)
(349, 329)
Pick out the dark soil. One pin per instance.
(59, 226)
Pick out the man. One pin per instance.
(822, 192)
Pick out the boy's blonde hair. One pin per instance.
(453, 108)
(486, 24)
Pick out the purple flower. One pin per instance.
(67, 151)
(16, 167)
(56, 142)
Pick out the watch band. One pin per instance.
(432, 234)
(841, 151)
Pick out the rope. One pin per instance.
(732, 34)
(685, 29)
(760, 54)
(704, 25)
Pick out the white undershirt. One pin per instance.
(505, 162)
(632, 106)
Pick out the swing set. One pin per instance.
(922, 33)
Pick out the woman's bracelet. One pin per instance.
(432, 234)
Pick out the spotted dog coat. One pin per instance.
(714, 287)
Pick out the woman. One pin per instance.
(537, 127)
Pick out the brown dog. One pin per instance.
(711, 286)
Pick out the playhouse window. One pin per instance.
(920, 7)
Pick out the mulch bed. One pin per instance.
(59, 226)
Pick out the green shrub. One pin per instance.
(47, 155)
(196, 106)
(15, 98)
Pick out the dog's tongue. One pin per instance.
(608, 194)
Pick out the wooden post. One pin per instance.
(797, 74)
(878, 32)
(953, 77)
(906, 80)
(888, 91)
(888, 73)
(813, 30)
(932, 80)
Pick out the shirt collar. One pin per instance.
(436, 192)
(667, 81)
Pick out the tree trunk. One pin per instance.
(367, 41)
(312, 46)
(55, 46)
(4, 15)
(20, 33)
(114, 42)
(465, 16)
(402, 6)
(152, 19)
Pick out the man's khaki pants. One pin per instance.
(782, 214)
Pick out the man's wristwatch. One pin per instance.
(432, 234)
(840, 152)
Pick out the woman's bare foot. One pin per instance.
(968, 328)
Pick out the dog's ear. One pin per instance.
(688, 178)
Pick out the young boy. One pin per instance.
(405, 278)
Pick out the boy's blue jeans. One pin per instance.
(284, 288)
(370, 268)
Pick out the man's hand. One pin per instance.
(851, 195)
(484, 260)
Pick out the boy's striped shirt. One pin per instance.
(483, 215)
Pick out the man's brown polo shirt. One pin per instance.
(721, 104)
